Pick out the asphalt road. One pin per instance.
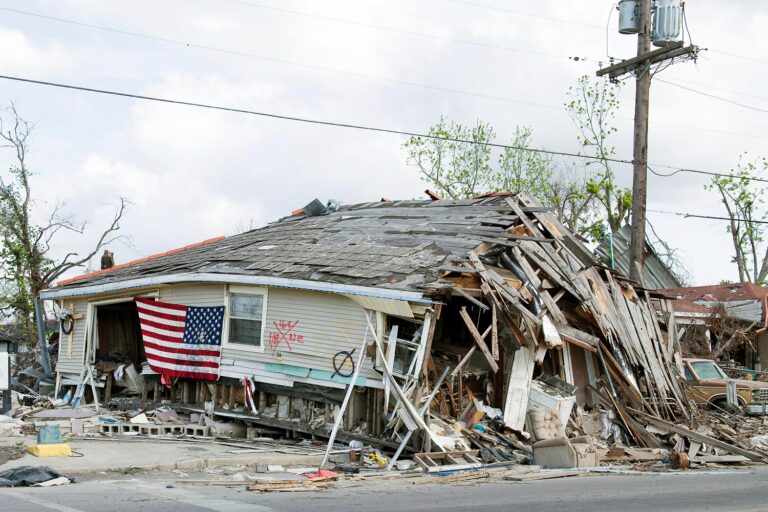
(746, 490)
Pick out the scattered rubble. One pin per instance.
(534, 356)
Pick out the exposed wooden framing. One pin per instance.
(471, 299)
(478, 339)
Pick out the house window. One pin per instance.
(246, 319)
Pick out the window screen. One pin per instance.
(245, 318)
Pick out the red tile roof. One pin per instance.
(140, 260)
(684, 306)
(719, 292)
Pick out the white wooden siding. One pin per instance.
(73, 365)
(328, 323)
(194, 294)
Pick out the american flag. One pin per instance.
(181, 341)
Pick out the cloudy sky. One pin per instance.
(192, 174)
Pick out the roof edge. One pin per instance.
(140, 260)
(280, 282)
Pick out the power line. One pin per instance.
(726, 100)
(279, 61)
(715, 88)
(708, 173)
(711, 217)
(587, 25)
(737, 56)
(345, 125)
(402, 31)
(303, 119)
(525, 14)
(342, 72)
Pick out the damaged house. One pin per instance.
(438, 312)
(724, 320)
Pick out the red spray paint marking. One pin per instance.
(284, 333)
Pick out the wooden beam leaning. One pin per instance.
(697, 436)
(478, 339)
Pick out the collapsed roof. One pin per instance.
(386, 244)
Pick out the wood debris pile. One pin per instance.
(537, 342)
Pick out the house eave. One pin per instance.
(189, 277)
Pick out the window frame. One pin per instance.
(245, 290)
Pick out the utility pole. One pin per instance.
(640, 152)
(641, 67)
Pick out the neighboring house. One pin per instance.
(656, 274)
(744, 304)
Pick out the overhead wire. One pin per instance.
(715, 88)
(737, 56)
(713, 96)
(401, 31)
(342, 124)
(710, 217)
(525, 14)
(239, 53)
(708, 173)
(592, 26)
(339, 71)
(301, 119)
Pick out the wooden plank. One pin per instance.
(494, 334)
(478, 339)
(518, 388)
(697, 436)
(470, 298)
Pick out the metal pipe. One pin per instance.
(510, 264)
(42, 341)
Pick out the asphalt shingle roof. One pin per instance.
(396, 244)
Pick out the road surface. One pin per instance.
(745, 490)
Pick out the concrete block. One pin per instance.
(196, 430)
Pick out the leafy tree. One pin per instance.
(743, 199)
(458, 170)
(26, 263)
(453, 168)
(592, 105)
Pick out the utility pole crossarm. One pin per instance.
(639, 59)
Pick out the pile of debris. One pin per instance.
(524, 350)
(547, 323)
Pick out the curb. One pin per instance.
(212, 462)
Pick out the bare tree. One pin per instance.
(26, 266)
(742, 194)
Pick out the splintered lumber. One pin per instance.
(544, 475)
(478, 339)
(289, 486)
(518, 388)
(448, 461)
(494, 334)
(698, 436)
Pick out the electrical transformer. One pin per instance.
(667, 22)
(629, 17)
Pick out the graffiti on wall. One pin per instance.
(284, 333)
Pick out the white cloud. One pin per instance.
(193, 173)
(20, 56)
